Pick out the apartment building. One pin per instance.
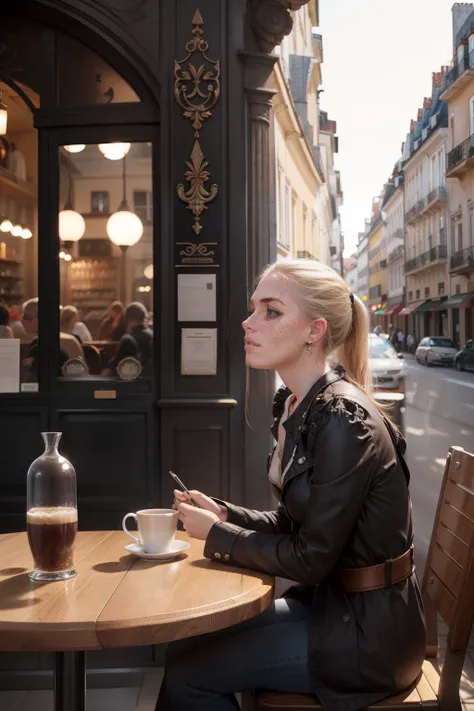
(393, 216)
(304, 158)
(377, 301)
(362, 290)
(458, 93)
(426, 251)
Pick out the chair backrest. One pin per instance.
(448, 582)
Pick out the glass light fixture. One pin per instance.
(67, 257)
(148, 271)
(124, 227)
(26, 233)
(6, 225)
(71, 223)
(3, 116)
(75, 148)
(62, 255)
(17, 230)
(114, 151)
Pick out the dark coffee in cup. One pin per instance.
(51, 534)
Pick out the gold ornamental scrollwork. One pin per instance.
(197, 196)
(197, 85)
(197, 90)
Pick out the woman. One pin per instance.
(5, 330)
(350, 636)
(112, 327)
(69, 323)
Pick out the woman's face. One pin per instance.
(276, 331)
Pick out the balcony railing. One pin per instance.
(416, 209)
(461, 153)
(462, 259)
(459, 67)
(436, 194)
(432, 255)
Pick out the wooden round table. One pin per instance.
(117, 600)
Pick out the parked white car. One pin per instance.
(387, 367)
(436, 350)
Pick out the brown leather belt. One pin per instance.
(376, 577)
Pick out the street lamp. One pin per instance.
(124, 229)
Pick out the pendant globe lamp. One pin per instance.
(71, 223)
(124, 229)
(3, 116)
(114, 151)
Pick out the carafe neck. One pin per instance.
(51, 442)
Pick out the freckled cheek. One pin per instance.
(284, 333)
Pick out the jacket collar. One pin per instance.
(298, 416)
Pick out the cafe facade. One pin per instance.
(136, 166)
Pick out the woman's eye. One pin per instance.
(272, 313)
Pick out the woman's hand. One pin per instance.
(197, 522)
(203, 501)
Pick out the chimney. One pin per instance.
(427, 103)
(461, 11)
(412, 126)
(420, 115)
(437, 79)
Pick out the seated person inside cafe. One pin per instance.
(351, 630)
(69, 347)
(137, 341)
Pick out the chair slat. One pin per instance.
(460, 498)
(456, 522)
(453, 546)
(443, 600)
(450, 574)
(461, 468)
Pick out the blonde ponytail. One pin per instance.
(353, 354)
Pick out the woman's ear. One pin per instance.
(318, 329)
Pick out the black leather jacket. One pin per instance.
(344, 502)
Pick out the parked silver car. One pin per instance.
(387, 367)
(436, 350)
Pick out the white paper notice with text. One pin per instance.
(198, 351)
(9, 365)
(196, 297)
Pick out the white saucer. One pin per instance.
(176, 548)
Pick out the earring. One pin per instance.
(309, 349)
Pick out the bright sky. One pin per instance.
(379, 56)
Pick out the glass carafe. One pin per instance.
(51, 518)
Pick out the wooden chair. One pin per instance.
(448, 590)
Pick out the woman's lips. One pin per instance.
(250, 345)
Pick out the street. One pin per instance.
(439, 414)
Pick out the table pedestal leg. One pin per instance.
(70, 681)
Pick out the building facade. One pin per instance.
(377, 302)
(299, 173)
(393, 213)
(426, 251)
(458, 93)
(363, 268)
(331, 196)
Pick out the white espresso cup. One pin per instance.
(156, 529)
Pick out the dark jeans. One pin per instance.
(268, 651)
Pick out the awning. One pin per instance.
(394, 310)
(459, 301)
(433, 305)
(409, 308)
(381, 311)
